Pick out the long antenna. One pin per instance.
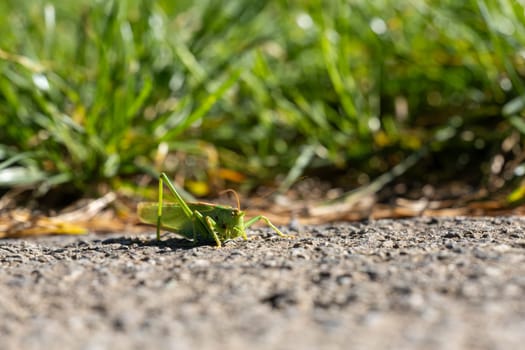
(235, 194)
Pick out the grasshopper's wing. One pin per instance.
(173, 217)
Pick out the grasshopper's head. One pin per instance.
(235, 225)
(230, 221)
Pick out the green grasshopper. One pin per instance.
(204, 223)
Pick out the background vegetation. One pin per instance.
(243, 93)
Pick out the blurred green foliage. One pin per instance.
(256, 91)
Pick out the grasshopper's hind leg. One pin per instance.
(185, 208)
(159, 209)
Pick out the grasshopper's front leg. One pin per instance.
(267, 221)
(208, 224)
(211, 225)
(241, 232)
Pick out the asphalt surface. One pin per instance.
(456, 283)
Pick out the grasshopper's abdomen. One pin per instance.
(173, 218)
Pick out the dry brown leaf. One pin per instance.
(21, 223)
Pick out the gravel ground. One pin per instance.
(456, 283)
